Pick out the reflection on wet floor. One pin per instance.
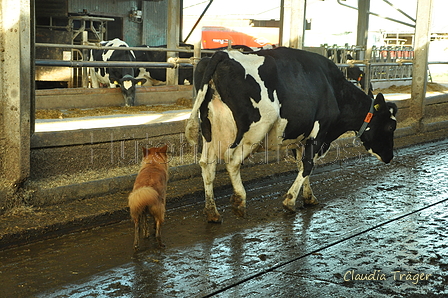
(308, 254)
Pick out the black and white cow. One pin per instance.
(157, 75)
(113, 76)
(271, 99)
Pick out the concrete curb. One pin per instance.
(55, 220)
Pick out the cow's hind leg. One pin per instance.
(238, 199)
(234, 159)
(208, 166)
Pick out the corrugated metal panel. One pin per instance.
(102, 8)
(155, 23)
(152, 30)
(51, 8)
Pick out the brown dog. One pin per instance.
(149, 193)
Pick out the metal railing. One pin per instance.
(391, 54)
(387, 63)
(83, 63)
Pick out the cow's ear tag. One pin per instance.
(115, 82)
(139, 83)
(377, 107)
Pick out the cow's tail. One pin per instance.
(192, 128)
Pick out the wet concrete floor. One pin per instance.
(379, 231)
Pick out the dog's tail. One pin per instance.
(146, 197)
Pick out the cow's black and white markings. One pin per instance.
(274, 98)
(157, 75)
(113, 76)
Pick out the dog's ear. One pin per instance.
(163, 149)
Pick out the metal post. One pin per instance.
(16, 83)
(363, 26)
(197, 57)
(420, 67)
(85, 76)
(292, 22)
(172, 75)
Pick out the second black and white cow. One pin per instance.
(157, 75)
(271, 99)
(113, 76)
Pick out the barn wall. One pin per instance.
(155, 23)
(119, 10)
(150, 30)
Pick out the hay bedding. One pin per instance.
(185, 103)
(181, 104)
(431, 87)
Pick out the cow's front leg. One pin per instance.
(208, 166)
(308, 196)
(289, 203)
(306, 164)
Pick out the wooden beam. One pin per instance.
(420, 67)
(16, 85)
(173, 39)
(292, 23)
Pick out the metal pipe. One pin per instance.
(197, 22)
(400, 11)
(118, 64)
(378, 15)
(183, 63)
(88, 18)
(97, 47)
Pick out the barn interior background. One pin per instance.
(53, 161)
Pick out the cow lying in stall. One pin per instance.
(113, 76)
(157, 75)
(270, 99)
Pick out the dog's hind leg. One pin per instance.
(145, 223)
(137, 223)
(159, 217)
(159, 233)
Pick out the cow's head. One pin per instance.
(127, 85)
(378, 138)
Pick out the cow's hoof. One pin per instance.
(310, 201)
(238, 206)
(289, 208)
(212, 216)
(236, 200)
(288, 204)
(214, 219)
(239, 210)
(159, 242)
